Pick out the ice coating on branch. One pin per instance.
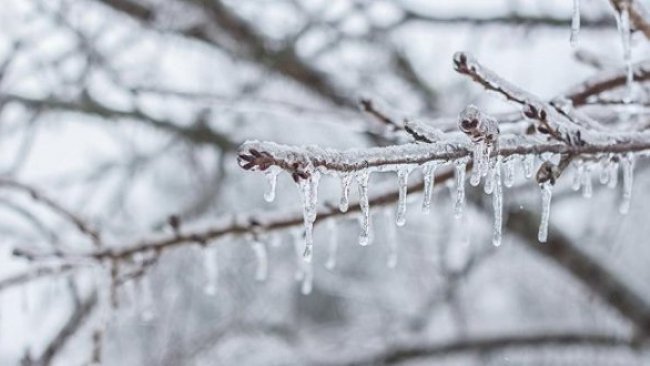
(422, 132)
(547, 194)
(402, 183)
(272, 178)
(623, 21)
(262, 269)
(509, 174)
(627, 165)
(497, 203)
(461, 165)
(362, 182)
(391, 238)
(429, 172)
(309, 190)
(211, 268)
(333, 230)
(575, 23)
(345, 192)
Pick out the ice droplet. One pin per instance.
(429, 172)
(547, 194)
(460, 188)
(345, 191)
(497, 202)
(272, 177)
(210, 265)
(262, 260)
(575, 23)
(333, 230)
(627, 165)
(362, 181)
(402, 183)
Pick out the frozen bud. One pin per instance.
(534, 111)
(464, 62)
(477, 125)
(547, 172)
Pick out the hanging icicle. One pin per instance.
(402, 183)
(547, 194)
(309, 189)
(587, 183)
(528, 165)
(362, 181)
(497, 202)
(345, 191)
(623, 20)
(627, 165)
(575, 23)
(578, 175)
(461, 165)
(478, 159)
(509, 174)
(211, 269)
(272, 177)
(429, 172)
(308, 278)
(262, 260)
(332, 229)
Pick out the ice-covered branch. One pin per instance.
(35, 273)
(637, 13)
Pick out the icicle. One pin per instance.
(547, 194)
(272, 177)
(429, 172)
(147, 312)
(402, 183)
(309, 188)
(604, 171)
(391, 238)
(308, 278)
(262, 261)
(362, 181)
(578, 175)
(478, 161)
(497, 202)
(587, 184)
(575, 23)
(623, 19)
(345, 191)
(627, 165)
(333, 244)
(488, 186)
(486, 162)
(460, 188)
(211, 268)
(613, 175)
(529, 163)
(509, 176)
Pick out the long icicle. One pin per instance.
(547, 194)
(309, 188)
(402, 183)
(497, 202)
(627, 165)
(429, 172)
(362, 181)
(460, 188)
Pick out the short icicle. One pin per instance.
(528, 164)
(429, 172)
(272, 178)
(262, 269)
(509, 174)
(332, 229)
(497, 202)
(402, 183)
(460, 188)
(362, 181)
(575, 23)
(478, 161)
(587, 183)
(613, 175)
(345, 191)
(627, 165)
(547, 194)
(211, 268)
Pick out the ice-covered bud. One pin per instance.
(464, 62)
(547, 172)
(477, 125)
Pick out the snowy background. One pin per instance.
(127, 114)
